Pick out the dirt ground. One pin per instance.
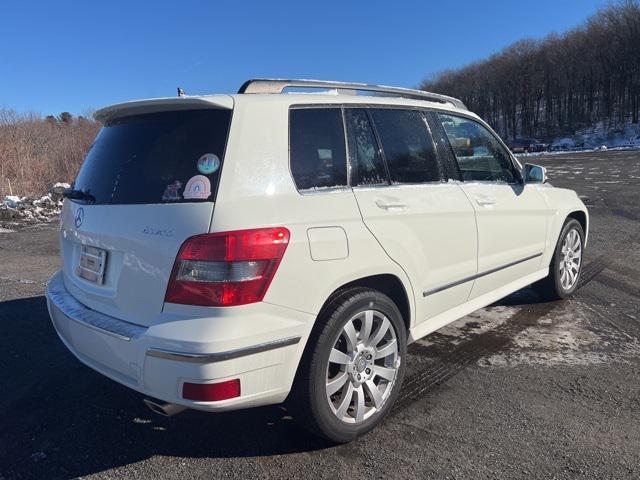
(521, 389)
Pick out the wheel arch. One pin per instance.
(558, 222)
(583, 219)
(386, 283)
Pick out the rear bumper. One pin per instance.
(157, 360)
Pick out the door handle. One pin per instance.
(485, 201)
(391, 206)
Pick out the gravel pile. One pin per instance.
(16, 210)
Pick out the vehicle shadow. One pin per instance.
(63, 420)
(525, 296)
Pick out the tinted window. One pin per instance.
(318, 157)
(364, 154)
(154, 158)
(479, 154)
(407, 145)
(448, 162)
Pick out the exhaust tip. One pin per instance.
(163, 408)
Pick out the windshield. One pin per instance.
(166, 157)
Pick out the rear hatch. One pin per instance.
(148, 183)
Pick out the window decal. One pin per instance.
(198, 187)
(171, 192)
(208, 163)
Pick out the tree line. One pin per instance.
(554, 86)
(36, 152)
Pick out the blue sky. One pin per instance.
(63, 55)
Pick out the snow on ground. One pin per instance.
(16, 210)
(595, 138)
(562, 337)
(576, 150)
(599, 136)
(566, 338)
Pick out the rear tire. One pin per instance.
(353, 366)
(566, 264)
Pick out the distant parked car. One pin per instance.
(527, 146)
(522, 146)
(539, 147)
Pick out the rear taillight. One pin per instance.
(228, 268)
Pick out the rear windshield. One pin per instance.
(167, 157)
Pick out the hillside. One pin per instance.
(585, 79)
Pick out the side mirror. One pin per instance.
(534, 173)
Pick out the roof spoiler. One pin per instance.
(138, 107)
(277, 85)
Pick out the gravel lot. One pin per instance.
(521, 389)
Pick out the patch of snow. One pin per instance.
(13, 201)
(601, 137)
(32, 209)
(564, 339)
(44, 200)
(597, 137)
(563, 144)
(330, 91)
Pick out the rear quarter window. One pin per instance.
(317, 148)
(164, 157)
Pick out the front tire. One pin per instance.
(566, 264)
(353, 366)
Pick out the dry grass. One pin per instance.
(37, 152)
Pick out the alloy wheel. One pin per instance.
(571, 259)
(362, 367)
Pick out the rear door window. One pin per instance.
(165, 157)
(367, 166)
(448, 161)
(317, 148)
(407, 145)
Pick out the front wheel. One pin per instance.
(566, 264)
(353, 367)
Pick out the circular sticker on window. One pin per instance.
(208, 163)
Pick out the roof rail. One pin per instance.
(277, 85)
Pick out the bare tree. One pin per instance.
(36, 152)
(559, 84)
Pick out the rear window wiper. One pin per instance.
(73, 194)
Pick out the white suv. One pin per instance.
(229, 251)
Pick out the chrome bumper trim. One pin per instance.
(221, 356)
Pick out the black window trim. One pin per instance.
(444, 173)
(350, 165)
(381, 152)
(368, 106)
(450, 159)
